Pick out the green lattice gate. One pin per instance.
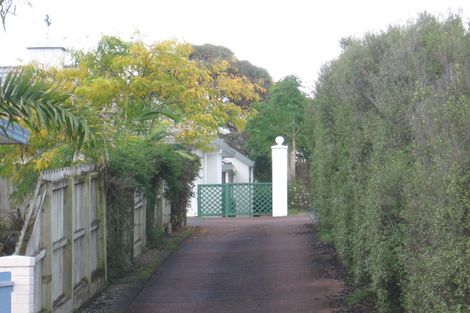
(235, 199)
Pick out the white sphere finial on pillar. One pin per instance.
(279, 140)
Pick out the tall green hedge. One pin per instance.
(390, 163)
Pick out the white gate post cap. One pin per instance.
(279, 143)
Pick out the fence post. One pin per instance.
(46, 243)
(279, 173)
(199, 195)
(69, 257)
(226, 193)
(87, 224)
(101, 216)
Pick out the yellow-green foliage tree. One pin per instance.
(139, 90)
(126, 92)
(140, 93)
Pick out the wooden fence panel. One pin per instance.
(58, 201)
(78, 206)
(139, 223)
(69, 249)
(163, 209)
(65, 232)
(58, 214)
(57, 274)
(93, 225)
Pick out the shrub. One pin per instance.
(390, 164)
(299, 196)
(141, 167)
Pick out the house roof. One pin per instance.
(47, 47)
(11, 133)
(229, 152)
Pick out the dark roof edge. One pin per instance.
(232, 153)
(46, 47)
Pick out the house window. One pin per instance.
(227, 177)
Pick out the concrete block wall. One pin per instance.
(22, 275)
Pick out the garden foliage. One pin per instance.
(390, 162)
(142, 166)
(281, 114)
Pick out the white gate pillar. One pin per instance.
(279, 171)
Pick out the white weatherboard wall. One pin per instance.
(210, 172)
(22, 275)
(49, 55)
(243, 170)
(213, 169)
(279, 171)
(192, 209)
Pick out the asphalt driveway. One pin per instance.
(242, 265)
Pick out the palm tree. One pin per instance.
(35, 104)
(7, 7)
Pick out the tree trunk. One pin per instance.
(292, 159)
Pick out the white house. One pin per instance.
(221, 164)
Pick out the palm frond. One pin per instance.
(34, 103)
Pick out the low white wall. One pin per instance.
(22, 275)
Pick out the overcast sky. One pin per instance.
(284, 36)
